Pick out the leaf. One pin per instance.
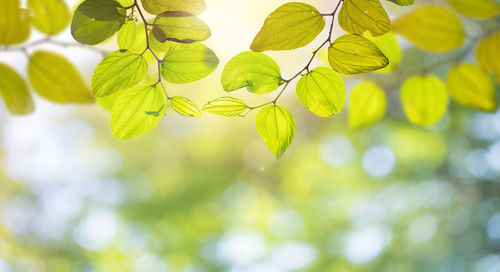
(125, 3)
(389, 46)
(118, 70)
(131, 114)
(126, 36)
(359, 16)
(96, 20)
(180, 26)
(55, 78)
(184, 106)
(353, 54)
(15, 92)
(470, 86)
(322, 91)
(431, 28)
(186, 63)
(403, 2)
(50, 16)
(487, 54)
(367, 105)
(479, 9)
(424, 99)
(256, 71)
(291, 26)
(277, 127)
(14, 23)
(226, 106)
(160, 6)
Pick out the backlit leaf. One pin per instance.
(277, 127)
(49, 16)
(226, 106)
(180, 26)
(184, 106)
(14, 91)
(359, 16)
(487, 54)
(390, 47)
(159, 6)
(403, 2)
(127, 35)
(479, 9)
(367, 105)
(14, 23)
(291, 26)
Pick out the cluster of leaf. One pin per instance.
(44, 68)
(172, 38)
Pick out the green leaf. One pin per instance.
(126, 36)
(470, 86)
(226, 106)
(14, 23)
(403, 2)
(424, 99)
(277, 127)
(322, 91)
(367, 105)
(431, 28)
(390, 47)
(125, 3)
(160, 6)
(184, 106)
(96, 20)
(353, 54)
(359, 16)
(479, 9)
(487, 54)
(256, 71)
(291, 26)
(119, 70)
(55, 78)
(136, 111)
(186, 63)
(179, 26)
(15, 92)
(50, 16)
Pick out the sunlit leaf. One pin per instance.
(184, 106)
(136, 111)
(55, 78)
(14, 23)
(390, 47)
(359, 16)
(256, 71)
(403, 2)
(470, 86)
(353, 54)
(118, 70)
(291, 26)
(160, 6)
(479, 9)
(96, 20)
(424, 99)
(14, 91)
(277, 127)
(487, 54)
(367, 105)
(125, 3)
(432, 28)
(180, 26)
(127, 35)
(322, 91)
(185, 63)
(49, 16)
(226, 106)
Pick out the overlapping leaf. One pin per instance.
(180, 26)
(160, 6)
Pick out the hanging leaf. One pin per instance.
(277, 127)
(160, 6)
(226, 106)
(50, 16)
(487, 54)
(359, 16)
(479, 9)
(14, 23)
(179, 26)
(184, 106)
(14, 91)
(367, 105)
(390, 47)
(127, 35)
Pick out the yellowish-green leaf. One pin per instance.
(179, 26)
(256, 71)
(390, 47)
(125, 3)
(353, 54)
(55, 78)
(470, 86)
(424, 99)
(185, 63)
(367, 105)
(431, 28)
(359, 16)
(119, 70)
(160, 6)
(14, 23)
(277, 127)
(403, 2)
(184, 106)
(49, 16)
(226, 106)
(322, 91)
(479, 9)
(136, 111)
(158, 46)
(291, 26)
(127, 35)
(14, 91)
(96, 20)
(487, 54)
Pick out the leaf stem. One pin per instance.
(48, 40)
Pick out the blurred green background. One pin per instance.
(205, 194)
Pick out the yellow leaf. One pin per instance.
(390, 47)
(487, 54)
(424, 99)
(50, 16)
(14, 91)
(14, 23)
(367, 105)
(479, 9)
(359, 16)
(470, 86)
(431, 28)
